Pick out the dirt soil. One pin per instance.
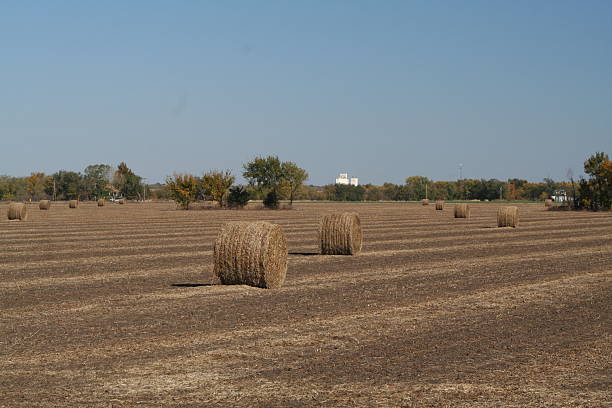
(115, 307)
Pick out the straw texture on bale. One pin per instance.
(44, 204)
(507, 217)
(251, 253)
(425, 201)
(439, 205)
(73, 203)
(340, 234)
(17, 211)
(100, 203)
(462, 210)
(548, 202)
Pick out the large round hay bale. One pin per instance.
(548, 202)
(462, 210)
(439, 205)
(122, 201)
(44, 204)
(17, 211)
(507, 217)
(73, 203)
(340, 234)
(101, 202)
(425, 201)
(251, 253)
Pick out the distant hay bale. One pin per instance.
(17, 211)
(439, 205)
(462, 210)
(251, 253)
(340, 234)
(44, 204)
(122, 201)
(101, 202)
(548, 202)
(73, 203)
(507, 217)
(425, 201)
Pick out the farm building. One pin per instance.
(343, 178)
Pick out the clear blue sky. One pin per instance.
(380, 89)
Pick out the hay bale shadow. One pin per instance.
(190, 285)
(305, 253)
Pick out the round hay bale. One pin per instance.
(251, 253)
(122, 201)
(17, 211)
(44, 204)
(425, 201)
(73, 203)
(548, 202)
(462, 210)
(439, 205)
(101, 202)
(340, 234)
(507, 217)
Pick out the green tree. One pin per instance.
(97, 180)
(293, 177)
(68, 185)
(183, 189)
(127, 182)
(596, 192)
(217, 183)
(418, 187)
(12, 188)
(264, 172)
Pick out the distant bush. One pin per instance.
(272, 200)
(342, 192)
(559, 207)
(237, 197)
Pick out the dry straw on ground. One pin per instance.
(73, 203)
(251, 253)
(17, 211)
(44, 204)
(507, 217)
(340, 234)
(101, 203)
(462, 210)
(548, 203)
(440, 205)
(425, 201)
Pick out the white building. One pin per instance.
(343, 178)
(560, 196)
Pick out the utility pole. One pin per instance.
(54, 190)
(426, 190)
(500, 192)
(144, 190)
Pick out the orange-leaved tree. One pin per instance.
(183, 189)
(217, 183)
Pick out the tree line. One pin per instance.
(271, 180)
(96, 181)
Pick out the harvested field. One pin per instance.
(115, 306)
